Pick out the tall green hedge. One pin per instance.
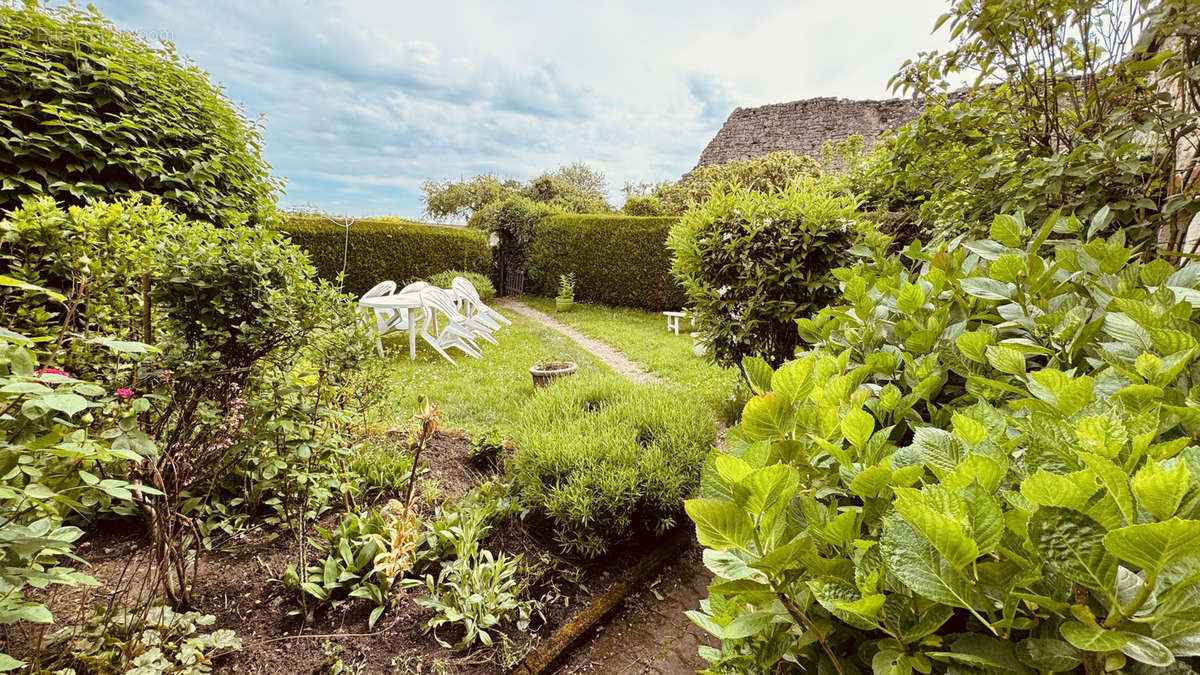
(394, 249)
(617, 260)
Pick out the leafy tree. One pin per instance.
(573, 188)
(91, 112)
(1069, 110)
(464, 198)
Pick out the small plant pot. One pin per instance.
(699, 345)
(545, 373)
(564, 304)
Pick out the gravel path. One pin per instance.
(649, 632)
(605, 352)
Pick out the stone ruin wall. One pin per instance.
(803, 127)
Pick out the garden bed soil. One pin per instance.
(238, 586)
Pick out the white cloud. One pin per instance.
(364, 100)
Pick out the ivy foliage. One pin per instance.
(753, 261)
(89, 112)
(983, 465)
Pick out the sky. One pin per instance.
(362, 100)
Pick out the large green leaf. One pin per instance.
(917, 564)
(988, 289)
(720, 524)
(1160, 491)
(1153, 546)
(947, 535)
(1055, 656)
(759, 373)
(767, 417)
(1008, 230)
(1115, 481)
(1073, 545)
(1092, 638)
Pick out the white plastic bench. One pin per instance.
(673, 320)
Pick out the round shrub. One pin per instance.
(91, 112)
(753, 262)
(638, 205)
(605, 460)
(481, 283)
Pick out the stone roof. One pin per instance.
(803, 127)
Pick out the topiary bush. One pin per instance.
(617, 260)
(987, 464)
(380, 250)
(753, 262)
(88, 111)
(604, 460)
(482, 284)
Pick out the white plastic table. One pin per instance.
(399, 302)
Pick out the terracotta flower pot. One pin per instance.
(545, 373)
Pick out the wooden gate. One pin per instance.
(512, 276)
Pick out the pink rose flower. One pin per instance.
(124, 393)
(51, 371)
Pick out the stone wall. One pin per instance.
(803, 127)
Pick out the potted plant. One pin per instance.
(546, 372)
(566, 292)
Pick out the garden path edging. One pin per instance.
(558, 645)
(611, 356)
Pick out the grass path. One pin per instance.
(608, 354)
(642, 337)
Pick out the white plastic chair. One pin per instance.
(457, 333)
(474, 306)
(386, 320)
(479, 328)
(415, 286)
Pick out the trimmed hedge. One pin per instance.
(617, 260)
(399, 250)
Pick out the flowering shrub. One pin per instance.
(53, 465)
(752, 262)
(234, 314)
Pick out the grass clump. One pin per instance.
(487, 291)
(605, 460)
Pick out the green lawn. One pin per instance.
(643, 337)
(477, 394)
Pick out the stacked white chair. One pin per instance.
(458, 332)
(473, 305)
(386, 320)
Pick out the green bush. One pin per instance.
(482, 284)
(606, 461)
(382, 250)
(986, 462)
(241, 395)
(643, 205)
(617, 260)
(512, 220)
(88, 111)
(753, 262)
